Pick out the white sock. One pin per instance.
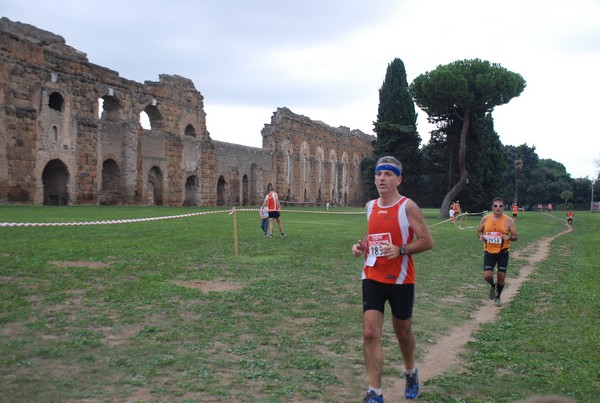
(376, 390)
(410, 371)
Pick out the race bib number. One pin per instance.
(493, 237)
(376, 241)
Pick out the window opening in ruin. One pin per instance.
(145, 121)
(112, 109)
(190, 131)
(54, 179)
(54, 133)
(100, 107)
(56, 101)
(154, 117)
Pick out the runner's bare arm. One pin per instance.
(480, 233)
(512, 230)
(416, 220)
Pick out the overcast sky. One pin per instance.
(326, 59)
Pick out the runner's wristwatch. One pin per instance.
(402, 251)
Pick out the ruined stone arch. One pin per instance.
(110, 188)
(222, 192)
(356, 168)
(56, 101)
(190, 131)
(245, 191)
(333, 175)
(344, 181)
(287, 149)
(55, 179)
(112, 110)
(191, 191)
(305, 161)
(357, 195)
(155, 117)
(320, 160)
(154, 187)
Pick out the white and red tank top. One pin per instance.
(388, 224)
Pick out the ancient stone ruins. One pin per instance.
(70, 133)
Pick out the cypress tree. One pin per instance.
(396, 127)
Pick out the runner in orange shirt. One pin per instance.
(515, 211)
(496, 231)
(570, 217)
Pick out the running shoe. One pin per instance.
(497, 301)
(411, 391)
(373, 397)
(492, 293)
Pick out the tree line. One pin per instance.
(464, 158)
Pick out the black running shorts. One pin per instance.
(400, 296)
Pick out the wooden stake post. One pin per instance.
(235, 241)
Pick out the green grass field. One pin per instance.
(165, 311)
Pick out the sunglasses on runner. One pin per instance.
(497, 205)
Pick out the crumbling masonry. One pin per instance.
(70, 133)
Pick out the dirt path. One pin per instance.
(443, 356)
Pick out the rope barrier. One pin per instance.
(108, 222)
(134, 220)
(459, 218)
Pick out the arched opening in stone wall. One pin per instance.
(56, 101)
(145, 121)
(319, 197)
(245, 191)
(111, 180)
(191, 191)
(222, 192)
(344, 182)
(305, 196)
(54, 179)
(155, 117)
(153, 186)
(333, 174)
(112, 111)
(190, 131)
(54, 134)
(255, 192)
(320, 158)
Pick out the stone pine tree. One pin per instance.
(463, 88)
(396, 126)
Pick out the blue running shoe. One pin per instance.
(412, 385)
(373, 397)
